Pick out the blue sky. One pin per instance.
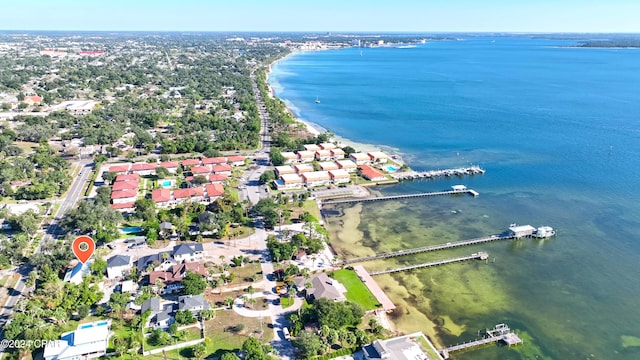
(324, 15)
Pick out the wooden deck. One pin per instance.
(500, 333)
(405, 196)
(480, 255)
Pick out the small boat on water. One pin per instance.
(405, 47)
(317, 100)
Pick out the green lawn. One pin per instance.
(286, 302)
(357, 291)
(223, 335)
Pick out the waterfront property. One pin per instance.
(89, 341)
(405, 196)
(500, 333)
(406, 347)
(480, 256)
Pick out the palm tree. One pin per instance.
(228, 301)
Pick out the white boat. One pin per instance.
(317, 100)
(544, 232)
(405, 47)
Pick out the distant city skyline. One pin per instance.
(325, 15)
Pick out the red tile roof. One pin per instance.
(370, 173)
(169, 164)
(143, 166)
(129, 205)
(119, 168)
(121, 194)
(214, 190)
(236, 158)
(182, 193)
(125, 185)
(214, 160)
(177, 272)
(161, 195)
(33, 98)
(200, 170)
(221, 168)
(197, 191)
(218, 177)
(127, 177)
(190, 162)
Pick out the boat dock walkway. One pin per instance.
(448, 245)
(462, 171)
(500, 333)
(480, 255)
(406, 196)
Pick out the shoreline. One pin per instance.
(316, 129)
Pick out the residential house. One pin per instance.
(166, 228)
(193, 303)
(161, 314)
(144, 169)
(399, 348)
(128, 177)
(162, 197)
(124, 207)
(190, 162)
(218, 178)
(370, 173)
(378, 157)
(32, 100)
(303, 168)
(306, 156)
(124, 196)
(125, 185)
(327, 146)
(347, 165)
(285, 169)
(188, 252)
(322, 286)
(118, 266)
(328, 165)
(75, 274)
(221, 169)
(337, 154)
(360, 158)
(316, 178)
(200, 170)
(289, 157)
(214, 160)
(120, 169)
(311, 147)
(236, 160)
(289, 181)
(159, 261)
(88, 341)
(214, 191)
(339, 176)
(172, 278)
(171, 166)
(323, 155)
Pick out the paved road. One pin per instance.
(53, 230)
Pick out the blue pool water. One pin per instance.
(131, 230)
(166, 183)
(391, 168)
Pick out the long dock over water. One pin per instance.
(462, 171)
(514, 232)
(500, 333)
(462, 190)
(480, 255)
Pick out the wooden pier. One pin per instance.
(406, 196)
(480, 255)
(462, 171)
(500, 333)
(448, 245)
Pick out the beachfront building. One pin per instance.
(289, 181)
(289, 157)
(322, 286)
(284, 169)
(519, 231)
(88, 341)
(339, 176)
(311, 147)
(316, 178)
(303, 168)
(400, 348)
(347, 165)
(327, 146)
(370, 173)
(323, 155)
(337, 154)
(360, 158)
(328, 165)
(378, 157)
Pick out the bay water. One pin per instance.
(557, 129)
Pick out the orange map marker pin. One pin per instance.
(83, 247)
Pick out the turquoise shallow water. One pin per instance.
(558, 131)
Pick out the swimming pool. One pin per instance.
(166, 183)
(391, 169)
(131, 230)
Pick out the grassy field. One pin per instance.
(286, 302)
(357, 291)
(310, 206)
(225, 332)
(243, 274)
(191, 334)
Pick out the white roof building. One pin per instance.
(89, 341)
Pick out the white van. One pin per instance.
(285, 331)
